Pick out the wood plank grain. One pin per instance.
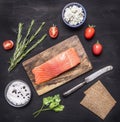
(65, 77)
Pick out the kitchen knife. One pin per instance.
(88, 79)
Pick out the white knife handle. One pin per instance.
(98, 73)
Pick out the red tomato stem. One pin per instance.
(54, 25)
(97, 42)
(92, 26)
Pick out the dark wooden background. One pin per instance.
(104, 14)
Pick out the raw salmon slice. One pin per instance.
(55, 66)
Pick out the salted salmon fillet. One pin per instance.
(56, 65)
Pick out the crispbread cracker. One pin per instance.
(98, 88)
(98, 100)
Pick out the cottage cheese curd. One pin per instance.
(73, 15)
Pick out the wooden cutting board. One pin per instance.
(65, 77)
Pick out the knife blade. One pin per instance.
(88, 79)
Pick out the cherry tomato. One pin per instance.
(97, 48)
(53, 31)
(89, 32)
(8, 44)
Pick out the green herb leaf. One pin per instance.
(53, 105)
(58, 108)
(47, 100)
(56, 98)
(50, 103)
(22, 44)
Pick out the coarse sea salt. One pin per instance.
(74, 15)
(18, 93)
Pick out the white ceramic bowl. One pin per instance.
(17, 93)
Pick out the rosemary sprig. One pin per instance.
(21, 49)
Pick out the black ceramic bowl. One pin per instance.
(69, 15)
